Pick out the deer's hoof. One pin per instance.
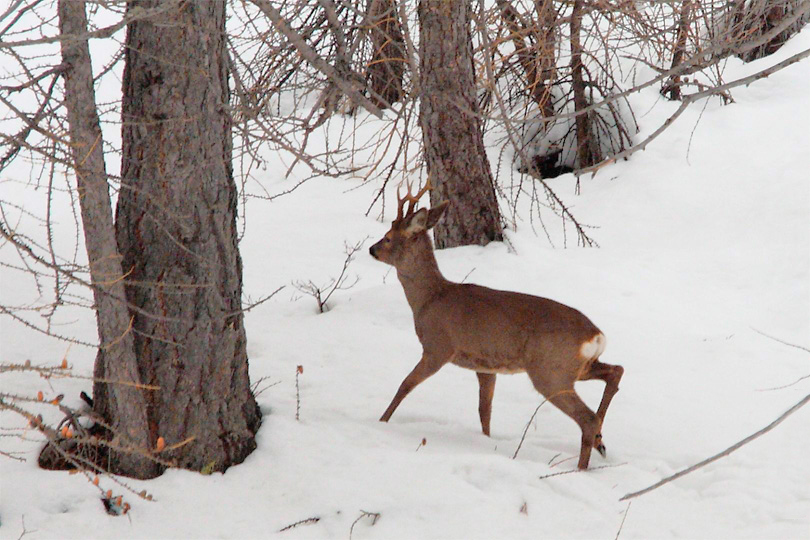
(599, 446)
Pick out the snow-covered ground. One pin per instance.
(705, 245)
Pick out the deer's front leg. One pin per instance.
(486, 383)
(424, 369)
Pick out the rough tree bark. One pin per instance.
(387, 66)
(117, 399)
(588, 152)
(176, 230)
(457, 163)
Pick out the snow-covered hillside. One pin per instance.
(705, 247)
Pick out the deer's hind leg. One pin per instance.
(565, 399)
(611, 375)
(486, 384)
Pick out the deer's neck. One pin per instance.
(420, 275)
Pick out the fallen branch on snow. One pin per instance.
(724, 453)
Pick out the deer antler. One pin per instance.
(410, 198)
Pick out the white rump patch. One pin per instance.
(593, 348)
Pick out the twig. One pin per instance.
(373, 515)
(527, 428)
(789, 344)
(572, 471)
(468, 275)
(333, 285)
(724, 453)
(623, 518)
(180, 444)
(298, 370)
(254, 388)
(24, 530)
(346, 86)
(135, 14)
(800, 347)
(691, 98)
(308, 521)
(794, 383)
(256, 303)
(12, 455)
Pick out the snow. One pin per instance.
(705, 247)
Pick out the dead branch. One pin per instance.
(526, 429)
(691, 98)
(347, 87)
(299, 370)
(363, 514)
(624, 517)
(135, 14)
(322, 293)
(783, 342)
(722, 454)
(307, 521)
(573, 471)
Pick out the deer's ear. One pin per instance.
(435, 213)
(418, 222)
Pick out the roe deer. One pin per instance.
(491, 331)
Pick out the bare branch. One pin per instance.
(307, 521)
(691, 98)
(135, 14)
(314, 59)
(722, 454)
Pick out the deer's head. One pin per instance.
(407, 232)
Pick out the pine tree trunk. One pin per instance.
(176, 230)
(451, 131)
(385, 72)
(117, 399)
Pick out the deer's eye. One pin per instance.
(386, 239)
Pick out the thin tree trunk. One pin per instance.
(588, 152)
(546, 21)
(117, 400)
(451, 130)
(176, 229)
(672, 88)
(538, 61)
(387, 66)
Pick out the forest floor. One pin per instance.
(703, 267)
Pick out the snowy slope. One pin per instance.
(704, 244)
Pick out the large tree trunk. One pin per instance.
(117, 397)
(451, 131)
(387, 66)
(176, 230)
